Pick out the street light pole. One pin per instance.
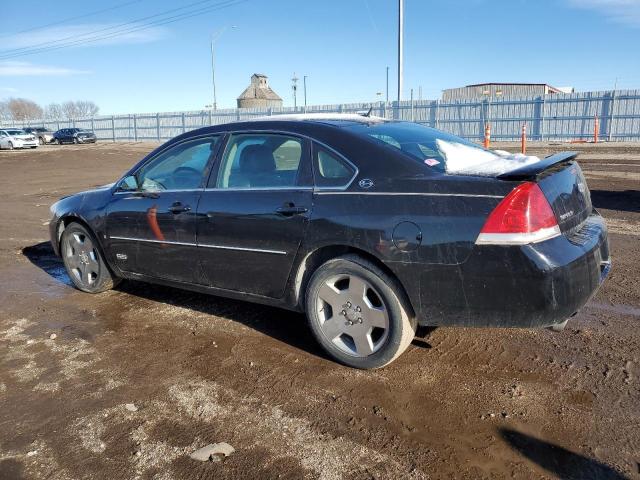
(214, 37)
(400, 47)
(213, 75)
(304, 81)
(387, 84)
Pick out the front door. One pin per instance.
(254, 213)
(151, 220)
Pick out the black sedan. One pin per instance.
(369, 226)
(74, 135)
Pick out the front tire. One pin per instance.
(10, 145)
(41, 140)
(83, 260)
(56, 141)
(358, 313)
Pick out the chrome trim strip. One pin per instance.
(260, 189)
(204, 245)
(113, 237)
(139, 192)
(518, 238)
(243, 249)
(425, 194)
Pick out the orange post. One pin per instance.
(596, 129)
(523, 139)
(487, 135)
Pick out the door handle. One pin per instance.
(290, 210)
(179, 208)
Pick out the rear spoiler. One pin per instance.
(531, 171)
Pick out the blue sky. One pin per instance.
(343, 46)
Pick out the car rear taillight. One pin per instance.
(524, 216)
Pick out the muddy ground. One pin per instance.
(460, 403)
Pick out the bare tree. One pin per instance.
(23, 109)
(70, 110)
(5, 113)
(53, 111)
(86, 109)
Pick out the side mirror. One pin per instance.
(128, 184)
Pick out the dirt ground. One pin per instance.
(197, 369)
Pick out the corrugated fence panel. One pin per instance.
(562, 117)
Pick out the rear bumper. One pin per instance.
(533, 285)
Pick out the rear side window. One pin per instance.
(260, 161)
(329, 169)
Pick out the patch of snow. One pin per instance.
(467, 160)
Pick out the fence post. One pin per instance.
(135, 128)
(542, 119)
(184, 127)
(93, 128)
(113, 127)
(211, 116)
(158, 125)
(610, 125)
(437, 113)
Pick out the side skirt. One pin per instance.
(220, 292)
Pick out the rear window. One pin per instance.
(428, 146)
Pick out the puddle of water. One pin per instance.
(621, 309)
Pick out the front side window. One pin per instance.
(181, 167)
(330, 170)
(260, 161)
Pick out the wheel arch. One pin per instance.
(312, 260)
(63, 223)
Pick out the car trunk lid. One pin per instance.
(561, 180)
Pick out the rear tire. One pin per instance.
(75, 140)
(40, 140)
(10, 145)
(358, 313)
(56, 141)
(83, 260)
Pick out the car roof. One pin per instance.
(336, 119)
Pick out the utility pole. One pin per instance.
(304, 82)
(387, 84)
(400, 47)
(294, 86)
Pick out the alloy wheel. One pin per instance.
(352, 315)
(82, 259)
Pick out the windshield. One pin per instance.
(433, 148)
(16, 132)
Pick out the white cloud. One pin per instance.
(76, 34)
(9, 89)
(620, 11)
(26, 69)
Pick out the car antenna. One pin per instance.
(368, 114)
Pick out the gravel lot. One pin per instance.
(127, 384)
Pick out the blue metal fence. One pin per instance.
(558, 117)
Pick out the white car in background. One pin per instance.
(11, 138)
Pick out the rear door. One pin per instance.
(254, 213)
(151, 221)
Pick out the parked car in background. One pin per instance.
(359, 222)
(44, 135)
(74, 135)
(16, 138)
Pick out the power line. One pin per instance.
(138, 21)
(95, 12)
(118, 30)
